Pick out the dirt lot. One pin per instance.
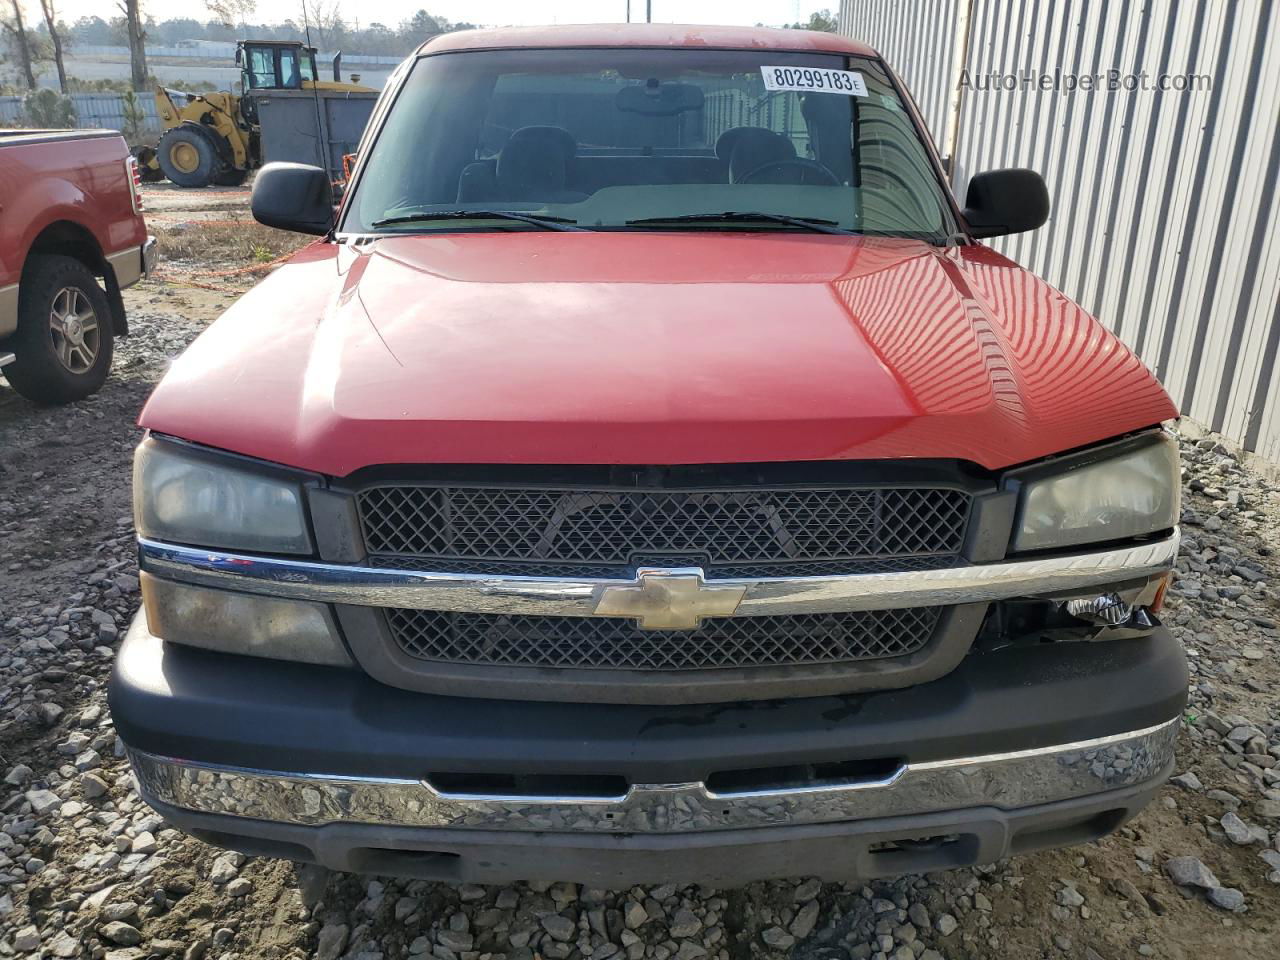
(86, 870)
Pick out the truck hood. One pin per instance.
(651, 348)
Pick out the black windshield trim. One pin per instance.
(748, 217)
(545, 223)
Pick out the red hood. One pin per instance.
(649, 348)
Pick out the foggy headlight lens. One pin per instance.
(242, 623)
(1128, 495)
(186, 496)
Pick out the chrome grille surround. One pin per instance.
(362, 594)
(342, 583)
(824, 568)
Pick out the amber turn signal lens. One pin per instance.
(1158, 602)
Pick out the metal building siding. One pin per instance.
(107, 110)
(93, 110)
(1166, 212)
(916, 37)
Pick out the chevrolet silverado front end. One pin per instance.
(593, 502)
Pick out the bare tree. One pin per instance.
(17, 31)
(231, 12)
(132, 10)
(51, 21)
(325, 16)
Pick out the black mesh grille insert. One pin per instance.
(614, 529)
(534, 568)
(613, 643)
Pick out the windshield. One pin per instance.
(260, 68)
(634, 138)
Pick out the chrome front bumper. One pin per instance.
(1004, 780)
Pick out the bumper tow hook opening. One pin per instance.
(915, 843)
(925, 854)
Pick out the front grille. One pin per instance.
(615, 643)
(565, 531)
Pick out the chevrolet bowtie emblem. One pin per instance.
(670, 599)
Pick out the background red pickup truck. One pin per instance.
(70, 216)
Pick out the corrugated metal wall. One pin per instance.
(923, 40)
(1166, 213)
(93, 110)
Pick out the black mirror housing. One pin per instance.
(1000, 202)
(293, 196)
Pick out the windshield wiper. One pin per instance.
(750, 216)
(546, 223)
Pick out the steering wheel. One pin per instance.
(801, 164)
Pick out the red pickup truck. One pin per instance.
(648, 474)
(71, 238)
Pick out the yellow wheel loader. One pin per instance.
(215, 138)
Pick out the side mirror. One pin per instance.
(293, 196)
(1001, 202)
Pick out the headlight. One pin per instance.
(244, 623)
(191, 496)
(1096, 496)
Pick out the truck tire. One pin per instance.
(188, 157)
(64, 340)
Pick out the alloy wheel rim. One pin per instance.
(73, 326)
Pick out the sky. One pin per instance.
(490, 12)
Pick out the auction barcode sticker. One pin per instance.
(814, 80)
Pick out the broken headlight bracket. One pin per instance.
(1110, 613)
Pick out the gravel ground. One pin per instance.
(87, 870)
